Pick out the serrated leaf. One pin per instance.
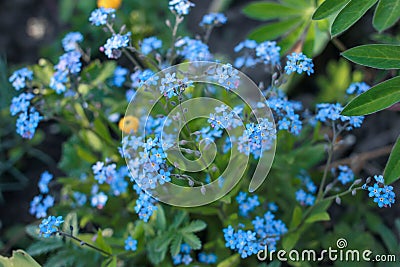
(274, 30)
(176, 245)
(19, 259)
(192, 240)
(377, 98)
(387, 13)
(232, 261)
(350, 14)
(378, 56)
(392, 169)
(42, 247)
(323, 216)
(328, 8)
(269, 10)
(194, 226)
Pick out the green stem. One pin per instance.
(83, 243)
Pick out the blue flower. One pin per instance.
(71, 40)
(213, 19)
(19, 77)
(192, 49)
(186, 259)
(115, 43)
(246, 203)
(346, 175)
(268, 52)
(357, 88)
(70, 62)
(119, 76)
(382, 194)
(40, 205)
(145, 205)
(27, 123)
(45, 178)
(100, 16)
(210, 258)
(57, 82)
(21, 103)
(130, 244)
(80, 198)
(99, 200)
(50, 225)
(150, 44)
(326, 111)
(298, 62)
(180, 7)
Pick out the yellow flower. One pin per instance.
(109, 3)
(128, 124)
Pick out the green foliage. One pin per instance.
(376, 56)
(291, 24)
(347, 12)
(19, 259)
(392, 170)
(377, 98)
(387, 13)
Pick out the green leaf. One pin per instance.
(387, 13)
(110, 262)
(392, 169)
(379, 97)
(329, 7)
(298, 3)
(290, 240)
(178, 219)
(350, 14)
(43, 247)
(232, 261)
(101, 243)
(274, 30)
(192, 240)
(176, 245)
(19, 259)
(296, 217)
(161, 222)
(269, 10)
(378, 56)
(194, 226)
(323, 216)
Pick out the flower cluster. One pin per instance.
(226, 76)
(223, 119)
(150, 44)
(331, 112)
(285, 111)
(119, 76)
(298, 62)
(130, 244)
(19, 77)
(346, 175)
(193, 49)
(100, 16)
(304, 198)
(245, 242)
(99, 199)
(109, 174)
(268, 52)
(172, 86)
(180, 7)
(50, 225)
(184, 256)
(28, 118)
(382, 194)
(357, 88)
(257, 138)
(71, 40)
(145, 204)
(246, 203)
(113, 45)
(41, 203)
(213, 19)
(205, 258)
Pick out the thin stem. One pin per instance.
(338, 44)
(83, 243)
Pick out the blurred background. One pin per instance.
(33, 29)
